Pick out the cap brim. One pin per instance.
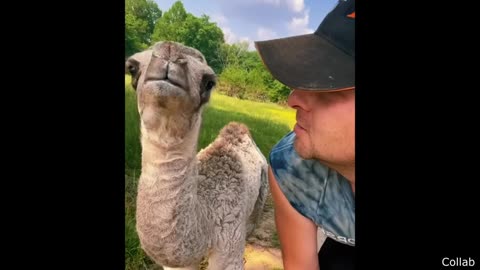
(308, 62)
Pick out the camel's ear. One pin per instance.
(132, 67)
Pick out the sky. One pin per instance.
(255, 20)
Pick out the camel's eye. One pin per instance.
(210, 85)
(132, 66)
(132, 69)
(208, 82)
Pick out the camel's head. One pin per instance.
(172, 82)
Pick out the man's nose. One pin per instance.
(297, 99)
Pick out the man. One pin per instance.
(312, 169)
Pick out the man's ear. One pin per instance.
(132, 67)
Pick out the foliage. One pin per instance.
(241, 73)
(197, 32)
(140, 19)
(246, 77)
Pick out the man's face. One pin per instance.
(325, 128)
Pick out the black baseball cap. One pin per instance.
(321, 61)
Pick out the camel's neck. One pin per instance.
(167, 199)
(160, 161)
(155, 156)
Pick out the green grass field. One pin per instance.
(267, 122)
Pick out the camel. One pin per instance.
(191, 206)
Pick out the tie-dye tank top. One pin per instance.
(315, 191)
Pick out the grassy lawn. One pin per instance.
(267, 122)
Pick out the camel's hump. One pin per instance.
(233, 132)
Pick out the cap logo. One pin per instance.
(351, 15)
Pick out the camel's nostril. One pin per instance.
(157, 69)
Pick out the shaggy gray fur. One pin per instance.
(191, 205)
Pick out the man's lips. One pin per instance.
(301, 126)
(298, 129)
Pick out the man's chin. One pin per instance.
(301, 149)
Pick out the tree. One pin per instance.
(140, 19)
(206, 37)
(233, 54)
(153, 13)
(134, 28)
(182, 27)
(171, 26)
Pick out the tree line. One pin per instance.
(241, 73)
